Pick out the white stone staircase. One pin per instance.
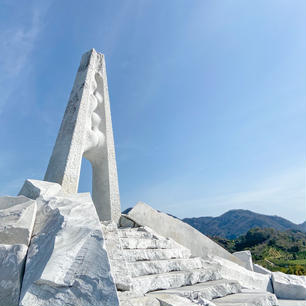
(158, 265)
(162, 272)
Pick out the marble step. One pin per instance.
(132, 255)
(140, 301)
(140, 268)
(148, 283)
(209, 290)
(139, 232)
(247, 299)
(173, 300)
(141, 243)
(159, 300)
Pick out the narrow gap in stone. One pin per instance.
(85, 182)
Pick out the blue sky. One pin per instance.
(208, 98)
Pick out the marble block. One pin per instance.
(67, 263)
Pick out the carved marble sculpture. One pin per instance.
(86, 130)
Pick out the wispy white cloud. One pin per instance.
(19, 36)
(17, 42)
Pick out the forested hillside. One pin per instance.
(276, 250)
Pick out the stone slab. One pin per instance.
(141, 243)
(248, 299)
(246, 257)
(67, 263)
(163, 266)
(140, 301)
(289, 286)
(9, 201)
(248, 279)
(35, 188)
(155, 254)
(17, 216)
(173, 300)
(12, 259)
(138, 232)
(148, 283)
(259, 269)
(282, 302)
(208, 291)
(181, 232)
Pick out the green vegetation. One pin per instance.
(272, 249)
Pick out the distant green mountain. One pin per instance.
(303, 227)
(235, 223)
(276, 250)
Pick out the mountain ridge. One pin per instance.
(237, 222)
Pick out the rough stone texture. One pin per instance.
(156, 262)
(207, 291)
(11, 270)
(17, 216)
(147, 283)
(118, 264)
(259, 269)
(86, 130)
(67, 263)
(8, 201)
(138, 232)
(248, 299)
(126, 222)
(128, 295)
(163, 266)
(140, 301)
(139, 243)
(181, 232)
(155, 254)
(289, 286)
(248, 279)
(173, 300)
(291, 302)
(246, 257)
(34, 189)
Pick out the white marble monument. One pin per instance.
(58, 247)
(86, 130)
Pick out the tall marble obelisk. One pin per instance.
(86, 130)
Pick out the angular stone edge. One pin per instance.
(246, 257)
(288, 286)
(18, 231)
(49, 279)
(181, 232)
(34, 189)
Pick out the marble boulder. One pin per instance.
(17, 216)
(34, 189)
(248, 279)
(181, 232)
(12, 259)
(67, 263)
(289, 286)
(259, 269)
(246, 257)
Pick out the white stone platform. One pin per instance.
(163, 272)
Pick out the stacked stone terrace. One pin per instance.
(160, 271)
